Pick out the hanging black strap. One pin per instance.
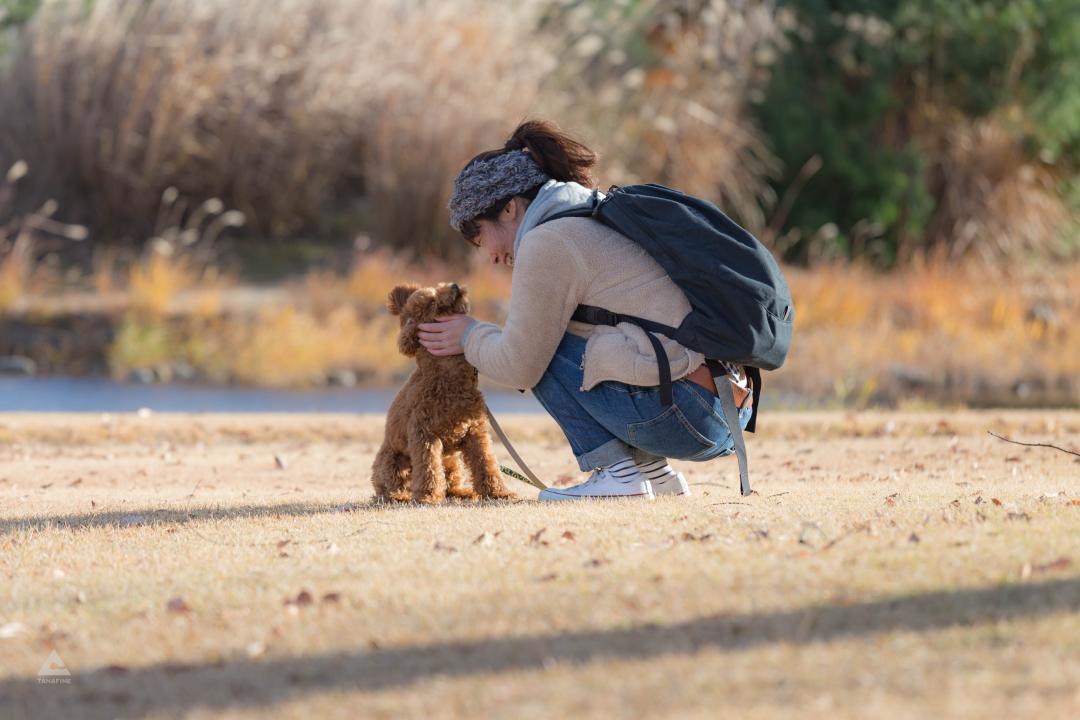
(731, 418)
(755, 379)
(599, 316)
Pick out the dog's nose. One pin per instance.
(455, 288)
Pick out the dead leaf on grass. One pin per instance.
(331, 597)
(996, 502)
(913, 538)
(1018, 516)
(690, 537)
(302, 599)
(1062, 563)
(547, 578)
(485, 538)
(568, 536)
(534, 539)
(178, 606)
(445, 548)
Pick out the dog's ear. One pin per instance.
(408, 342)
(395, 302)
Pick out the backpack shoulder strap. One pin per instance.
(593, 315)
(731, 418)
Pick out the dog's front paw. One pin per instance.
(499, 494)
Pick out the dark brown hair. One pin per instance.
(560, 156)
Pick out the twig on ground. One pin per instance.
(1046, 445)
(855, 530)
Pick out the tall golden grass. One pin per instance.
(301, 118)
(332, 116)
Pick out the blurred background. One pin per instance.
(203, 203)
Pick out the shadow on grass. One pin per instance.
(171, 688)
(172, 516)
(136, 517)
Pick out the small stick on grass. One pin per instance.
(1046, 445)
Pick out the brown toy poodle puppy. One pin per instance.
(436, 415)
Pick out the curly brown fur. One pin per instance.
(437, 415)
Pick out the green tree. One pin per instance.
(870, 88)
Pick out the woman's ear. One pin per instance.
(395, 302)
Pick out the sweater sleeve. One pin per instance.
(547, 285)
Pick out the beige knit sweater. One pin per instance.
(573, 261)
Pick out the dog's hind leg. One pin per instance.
(428, 481)
(455, 478)
(486, 479)
(390, 475)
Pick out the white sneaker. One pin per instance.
(664, 479)
(670, 484)
(603, 483)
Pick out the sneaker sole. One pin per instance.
(567, 498)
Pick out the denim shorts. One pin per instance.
(614, 420)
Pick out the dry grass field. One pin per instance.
(889, 566)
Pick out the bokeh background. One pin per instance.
(221, 192)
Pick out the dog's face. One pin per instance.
(415, 305)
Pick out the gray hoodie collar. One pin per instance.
(554, 197)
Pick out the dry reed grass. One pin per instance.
(289, 114)
(951, 332)
(996, 203)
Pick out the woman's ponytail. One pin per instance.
(560, 156)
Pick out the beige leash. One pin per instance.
(531, 479)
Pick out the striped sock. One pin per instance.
(656, 469)
(622, 468)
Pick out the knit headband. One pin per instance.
(485, 182)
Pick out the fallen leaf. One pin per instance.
(331, 597)
(1062, 563)
(564, 480)
(1018, 516)
(445, 548)
(1012, 459)
(303, 598)
(178, 605)
(996, 501)
(46, 486)
(534, 539)
(547, 578)
(283, 543)
(913, 538)
(75, 482)
(568, 536)
(485, 538)
(1075, 502)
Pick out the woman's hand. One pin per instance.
(443, 337)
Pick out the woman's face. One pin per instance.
(496, 237)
